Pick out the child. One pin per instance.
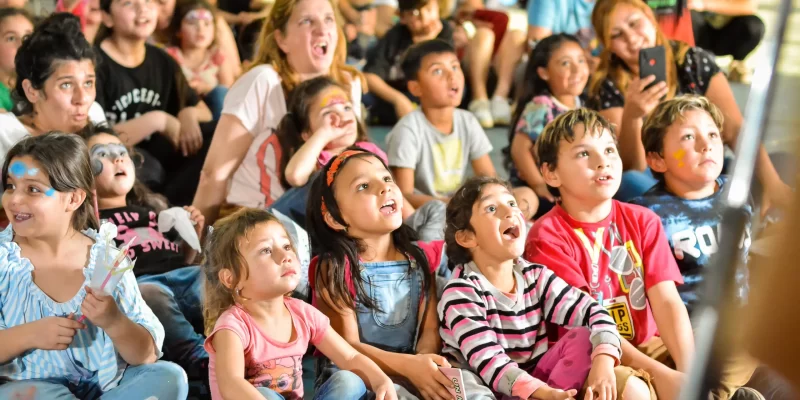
(15, 25)
(386, 78)
(554, 81)
(49, 253)
(686, 154)
(167, 277)
(371, 278)
(495, 307)
(259, 334)
(194, 48)
(138, 81)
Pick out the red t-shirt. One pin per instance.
(617, 259)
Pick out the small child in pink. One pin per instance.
(260, 334)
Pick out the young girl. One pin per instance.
(168, 279)
(15, 25)
(259, 334)
(495, 308)
(555, 78)
(194, 48)
(371, 278)
(136, 81)
(47, 257)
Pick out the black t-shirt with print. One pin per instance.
(386, 58)
(155, 252)
(694, 75)
(157, 84)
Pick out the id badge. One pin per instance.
(620, 311)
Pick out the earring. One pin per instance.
(238, 292)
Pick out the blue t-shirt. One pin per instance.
(564, 16)
(692, 228)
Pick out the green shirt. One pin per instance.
(5, 98)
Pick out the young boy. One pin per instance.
(685, 152)
(429, 149)
(419, 21)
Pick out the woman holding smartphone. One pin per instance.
(624, 27)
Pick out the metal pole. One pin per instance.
(719, 306)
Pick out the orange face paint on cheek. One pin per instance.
(678, 155)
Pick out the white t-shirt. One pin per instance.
(12, 130)
(257, 99)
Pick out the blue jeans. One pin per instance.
(343, 385)
(161, 380)
(176, 299)
(214, 100)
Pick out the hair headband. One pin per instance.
(199, 14)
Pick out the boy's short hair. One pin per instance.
(412, 59)
(666, 113)
(408, 5)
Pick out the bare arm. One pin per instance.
(227, 44)
(228, 148)
(538, 32)
(230, 367)
(132, 341)
(405, 181)
(429, 340)
(304, 161)
(226, 75)
(135, 130)
(673, 322)
(347, 358)
(201, 112)
(482, 166)
(382, 89)
(629, 137)
(522, 155)
(16, 340)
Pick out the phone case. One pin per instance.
(652, 61)
(455, 376)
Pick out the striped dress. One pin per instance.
(501, 339)
(91, 351)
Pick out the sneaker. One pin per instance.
(738, 72)
(746, 393)
(482, 111)
(501, 111)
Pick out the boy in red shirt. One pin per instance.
(614, 251)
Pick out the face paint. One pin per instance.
(199, 14)
(678, 155)
(112, 151)
(335, 97)
(18, 169)
(50, 192)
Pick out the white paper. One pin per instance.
(180, 219)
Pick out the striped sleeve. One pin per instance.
(463, 315)
(572, 308)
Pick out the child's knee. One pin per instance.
(635, 389)
(173, 377)
(344, 385)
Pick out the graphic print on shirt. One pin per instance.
(283, 375)
(623, 259)
(148, 238)
(448, 159)
(268, 159)
(136, 96)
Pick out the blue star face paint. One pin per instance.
(50, 192)
(18, 169)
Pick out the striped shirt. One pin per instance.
(502, 339)
(92, 351)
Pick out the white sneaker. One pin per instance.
(482, 111)
(501, 111)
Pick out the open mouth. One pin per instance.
(605, 179)
(320, 49)
(454, 91)
(22, 217)
(389, 208)
(120, 173)
(512, 233)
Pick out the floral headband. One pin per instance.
(335, 165)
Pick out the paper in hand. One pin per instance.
(180, 219)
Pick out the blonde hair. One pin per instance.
(268, 51)
(611, 66)
(666, 113)
(222, 252)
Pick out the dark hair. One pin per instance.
(140, 194)
(297, 121)
(185, 7)
(337, 249)
(412, 59)
(459, 212)
(563, 128)
(534, 85)
(57, 38)
(65, 160)
(408, 5)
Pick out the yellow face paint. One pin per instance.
(678, 155)
(333, 97)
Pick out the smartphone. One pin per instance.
(652, 61)
(457, 379)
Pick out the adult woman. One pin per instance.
(55, 83)
(300, 40)
(623, 28)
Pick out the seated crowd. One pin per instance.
(193, 206)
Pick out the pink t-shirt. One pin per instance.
(325, 156)
(268, 363)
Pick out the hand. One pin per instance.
(200, 86)
(333, 127)
(198, 219)
(385, 390)
(100, 309)
(191, 138)
(402, 106)
(246, 18)
(547, 393)
(776, 194)
(667, 383)
(601, 383)
(640, 102)
(171, 129)
(463, 14)
(424, 374)
(54, 333)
